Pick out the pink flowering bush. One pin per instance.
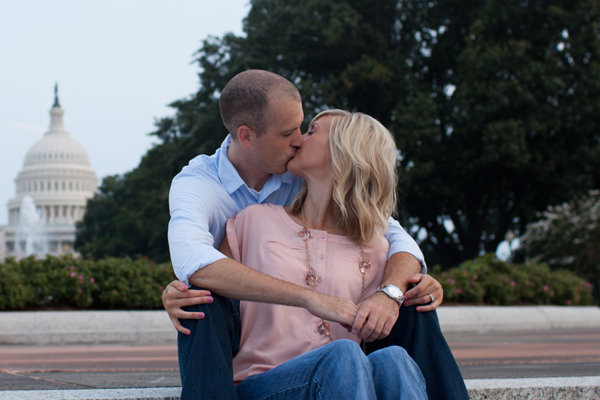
(68, 282)
(567, 236)
(487, 280)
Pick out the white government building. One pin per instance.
(58, 177)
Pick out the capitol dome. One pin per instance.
(57, 148)
(58, 176)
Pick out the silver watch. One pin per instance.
(393, 292)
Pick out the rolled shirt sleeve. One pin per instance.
(191, 243)
(401, 241)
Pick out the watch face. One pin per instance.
(394, 291)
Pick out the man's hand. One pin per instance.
(376, 317)
(420, 294)
(177, 295)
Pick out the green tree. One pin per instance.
(492, 104)
(518, 133)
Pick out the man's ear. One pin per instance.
(246, 136)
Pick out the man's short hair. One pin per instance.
(245, 99)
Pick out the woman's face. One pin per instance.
(314, 155)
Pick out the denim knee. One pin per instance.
(346, 348)
(389, 353)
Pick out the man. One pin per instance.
(263, 113)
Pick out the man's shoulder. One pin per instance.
(199, 178)
(202, 168)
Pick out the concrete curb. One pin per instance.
(94, 394)
(86, 327)
(581, 388)
(517, 318)
(149, 327)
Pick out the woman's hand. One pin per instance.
(422, 293)
(330, 308)
(177, 295)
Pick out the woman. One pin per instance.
(331, 240)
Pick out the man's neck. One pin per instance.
(252, 176)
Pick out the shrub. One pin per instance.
(131, 284)
(487, 280)
(69, 282)
(568, 237)
(15, 294)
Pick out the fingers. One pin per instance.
(430, 307)
(374, 328)
(422, 281)
(177, 286)
(429, 304)
(425, 302)
(179, 327)
(177, 290)
(184, 315)
(421, 294)
(176, 296)
(416, 278)
(359, 320)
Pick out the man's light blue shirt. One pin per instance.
(208, 191)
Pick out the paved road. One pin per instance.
(479, 355)
(527, 354)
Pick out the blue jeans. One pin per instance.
(205, 356)
(339, 370)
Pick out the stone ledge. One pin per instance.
(150, 327)
(517, 318)
(94, 394)
(559, 388)
(86, 327)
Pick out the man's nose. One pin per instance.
(298, 139)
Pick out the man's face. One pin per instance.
(282, 138)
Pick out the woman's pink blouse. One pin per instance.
(265, 238)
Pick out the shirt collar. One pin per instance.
(228, 175)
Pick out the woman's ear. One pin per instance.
(246, 136)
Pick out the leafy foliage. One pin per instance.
(487, 280)
(127, 284)
(568, 236)
(68, 282)
(492, 104)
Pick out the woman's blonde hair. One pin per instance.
(363, 158)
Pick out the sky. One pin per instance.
(118, 64)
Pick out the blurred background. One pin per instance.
(493, 105)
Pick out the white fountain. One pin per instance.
(30, 236)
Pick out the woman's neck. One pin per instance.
(319, 210)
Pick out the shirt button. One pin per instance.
(321, 256)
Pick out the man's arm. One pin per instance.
(230, 278)
(195, 200)
(378, 313)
